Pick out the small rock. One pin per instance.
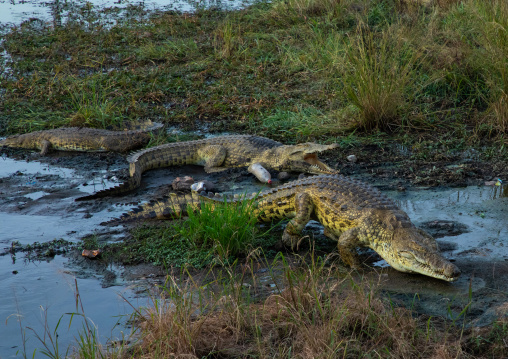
(282, 176)
(182, 183)
(203, 186)
(352, 158)
(91, 253)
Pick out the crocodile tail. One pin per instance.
(168, 207)
(129, 185)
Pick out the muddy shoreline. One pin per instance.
(484, 274)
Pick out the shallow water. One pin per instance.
(483, 209)
(47, 286)
(31, 211)
(17, 11)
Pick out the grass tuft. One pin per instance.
(381, 66)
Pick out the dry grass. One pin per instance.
(227, 40)
(319, 313)
(497, 116)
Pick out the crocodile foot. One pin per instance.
(349, 257)
(290, 240)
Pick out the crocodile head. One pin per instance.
(410, 249)
(304, 158)
(17, 141)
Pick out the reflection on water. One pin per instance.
(500, 191)
(35, 206)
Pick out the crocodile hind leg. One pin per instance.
(303, 209)
(45, 146)
(213, 156)
(346, 244)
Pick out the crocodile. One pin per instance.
(83, 139)
(353, 213)
(220, 153)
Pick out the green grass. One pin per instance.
(220, 233)
(381, 68)
(229, 228)
(278, 68)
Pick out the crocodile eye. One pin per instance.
(406, 255)
(388, 225)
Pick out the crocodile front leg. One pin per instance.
(346, 244)
(213, 156)
(303, 209)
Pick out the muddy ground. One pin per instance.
(484, 263)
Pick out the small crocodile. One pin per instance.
(220, 153)
(353, 213)
(82, 139)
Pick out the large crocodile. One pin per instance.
(353, 213)
(219, 153)
(83, 139)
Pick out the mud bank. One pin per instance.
(37, 205)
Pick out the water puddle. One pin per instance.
(31, 288)
(482, 211)
(10, 166)
(37, 205)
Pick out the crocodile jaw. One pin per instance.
(304, 158)
(315, 166)
(433, 265)
(413, 256)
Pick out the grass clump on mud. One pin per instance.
(219, 233)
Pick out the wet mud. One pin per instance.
(37, 206)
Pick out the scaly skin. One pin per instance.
(219, 153)
(353, 213)
(81, 139)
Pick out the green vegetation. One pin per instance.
(220, 233)
(294, 70)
